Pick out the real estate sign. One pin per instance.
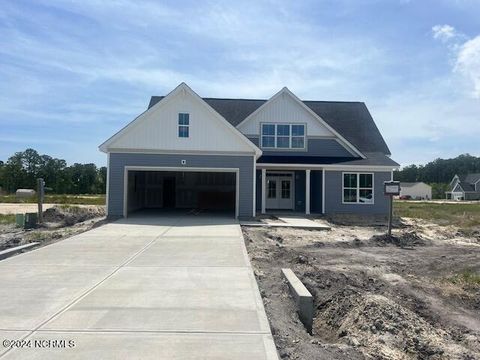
(391, 188)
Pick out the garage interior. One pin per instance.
(201, 191)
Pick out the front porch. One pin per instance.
(283, 190)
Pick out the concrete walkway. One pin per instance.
(150, 287)
(289, 221)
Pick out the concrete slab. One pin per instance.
(206, 230)
(92, 252)
(7, 337)
(145, 346)
(33, 294)
(168, 299)
(294, 222)
(193, 251)
(141, 288)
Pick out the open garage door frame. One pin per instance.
(184, 169)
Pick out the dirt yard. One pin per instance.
(60, 221)
(413, 296)
(15, 208)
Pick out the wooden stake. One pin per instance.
(390, 216)
(40, 193)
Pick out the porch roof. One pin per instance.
(373, 159)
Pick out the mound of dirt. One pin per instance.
(384, 327)
(406, 239)
(71, 215)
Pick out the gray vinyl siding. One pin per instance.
(315, 147)
(258, 193)
(457, 188)
(472, 195)
(300, 190)
(334, 189)
(316, 191)
(118, 161)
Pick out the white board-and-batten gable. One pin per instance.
(283, 108)
(157, 129)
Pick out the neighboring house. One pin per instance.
(416, 190)
(248, 156)
(464, 187)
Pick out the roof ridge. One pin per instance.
(217, 98)
(335, 101)
(252, 99)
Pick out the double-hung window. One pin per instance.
(183, 125)
(358, 188)
(283, 136)
(298, 136)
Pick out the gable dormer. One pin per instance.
(284, 125)
(454, 182)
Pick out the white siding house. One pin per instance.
(417, 190)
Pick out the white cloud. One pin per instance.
(444, 33)
(468, 63)
(465, 54)
(252, 55)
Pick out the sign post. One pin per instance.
(41, 193)
(391, 188)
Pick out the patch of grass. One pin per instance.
(36, 235)
(96, 199)
(464, 216)
(7, 218)
(466, 277)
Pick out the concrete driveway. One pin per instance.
(149, 287)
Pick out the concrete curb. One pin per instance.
(302, 297)
(15, 250)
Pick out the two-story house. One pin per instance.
(464, 187)
(248, 157)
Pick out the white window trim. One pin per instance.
(179, 125)
(358, 188)
(289, 136)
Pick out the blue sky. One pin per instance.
(74, 72)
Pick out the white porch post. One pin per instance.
(264, 185)
(323, 191)
(307, 191)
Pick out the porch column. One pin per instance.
(307, 191)
(264, 185)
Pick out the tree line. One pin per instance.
(22, 170)
(439, 172)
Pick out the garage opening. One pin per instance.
(189, 190)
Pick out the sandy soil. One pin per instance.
(59, 222)
(16, 208)
(375, 297)
(21, 208)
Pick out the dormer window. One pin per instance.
(283, 136)
(183, 125)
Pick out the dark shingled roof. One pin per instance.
(379, 159)
(470, 178)
(352, 120)
(467, 186)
